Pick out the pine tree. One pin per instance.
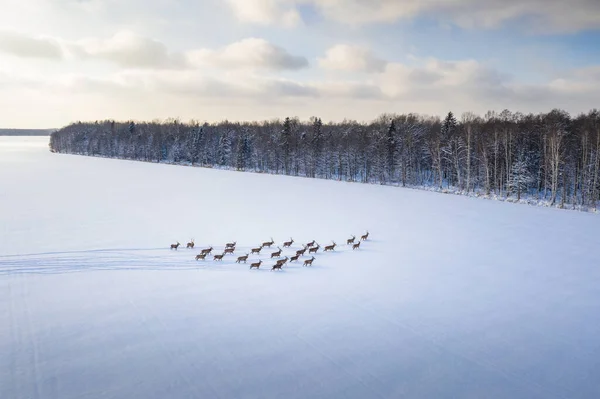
(176, 151)
(391, 150)
(286, 133)
(224, 150)
(243, 152)
(448, 128)
(197, 143)
(316, 146)
(521, 177)
(449, 125)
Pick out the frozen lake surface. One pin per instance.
(451, 297)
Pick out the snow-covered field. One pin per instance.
(451, 297)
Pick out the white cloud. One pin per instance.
(129, 50)
(544, 15)
(443, 81)
(266, 12)
(253, 53)
(344, 57)
(246, 86)
(431, 86)
(26, 46)
(349, 90)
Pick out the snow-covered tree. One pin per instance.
(224, 150)
(521, 177)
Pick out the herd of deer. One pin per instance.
(312, 248)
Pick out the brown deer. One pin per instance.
(356, 246)
(281, 261)
(207, 250)
(268, 243)
(175, 246)
(201, 256)
(276, 266)
(329, 247)
(257, 264)
(229, 250)
(314, 250)
(301, 252)
(276, 254)
(242, 258)
(230, 244)
(190, 244)
(289, 243)
(256, 250)
(294, 258)
(219, 257)
(308, 262)
(365, 236)
(310, 244)
(350, 240)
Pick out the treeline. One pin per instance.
(550, 157)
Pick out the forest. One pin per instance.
(548, 158)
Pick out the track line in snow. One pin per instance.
(56, 262)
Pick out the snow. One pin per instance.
(451, 296)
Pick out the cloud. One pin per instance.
(427, 86)
(266, 12)
(445, 82)
(26, 46)
(251, 53)
(542, 15)
(128, 50)
(344, 57)
(248, 87)
(349, 90)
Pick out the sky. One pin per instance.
(63, 61)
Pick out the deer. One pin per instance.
(268, 243)
(294, 258)
(175, 246)
(201, 256)
(365, 236)
(190, 244)
(207, 250)
(301, 252)
(289, 243)
(276, 254)
(356, 246)
(219, 257)
(242, 258)
(350, 240)
(230, 244)
(310, 244)
(257, 265)
(329, 247)
(256, 250)
(279, 263)
(314, 250)
(229, 250)
(308, 262)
